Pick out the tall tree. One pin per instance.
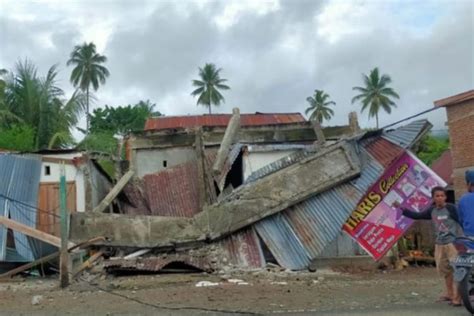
(376, 94)
(122, 119)
(208, 86)
(39, 103)
(319, 106)
(88, 70)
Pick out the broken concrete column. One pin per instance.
(354, 123)
(229, 138)
(318, 130)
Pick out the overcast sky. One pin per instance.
(274, 53)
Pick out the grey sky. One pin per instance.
(274, 53)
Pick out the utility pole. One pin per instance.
(64, 218)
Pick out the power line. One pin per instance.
(160, 307)
(411, 117)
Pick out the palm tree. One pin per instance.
(88, 70)
(209, 85)
(319, 106)
(39, 103)
(376, 95)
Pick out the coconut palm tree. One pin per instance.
(319, 106)
(208, 86)
(88, 71)
(39, 103)
(376, 94)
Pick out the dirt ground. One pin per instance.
(322, 292)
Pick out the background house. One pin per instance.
(460, 112)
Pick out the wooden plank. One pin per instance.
(114, 192)
(88, 263)
(32, 232)
(48, 206)
(48, 258)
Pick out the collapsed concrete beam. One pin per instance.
(246, 205)
(229, 138)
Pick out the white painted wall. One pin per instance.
(72, 174)
(151, 160)
(253, 161)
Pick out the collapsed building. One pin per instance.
(240, 190)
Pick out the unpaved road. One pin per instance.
(412, 291)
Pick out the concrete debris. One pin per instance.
(36, 300)
(206, 284)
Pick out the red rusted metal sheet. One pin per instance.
(171, 122)
(443, 166)
(243, 249)
(384, 151)
(174, 191)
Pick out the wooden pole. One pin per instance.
(64, 257)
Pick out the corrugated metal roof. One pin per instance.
(243, 249)
(283, 243)
(310, 226)
(174, 191)
(172, 122)
(19, 182)
(277, 165)
(384, 151)
(404, 136)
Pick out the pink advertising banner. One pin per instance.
(375, 224)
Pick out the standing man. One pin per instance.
(445, 221)
(466, 206)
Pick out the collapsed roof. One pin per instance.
(296, 205)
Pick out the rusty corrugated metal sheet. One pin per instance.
(174, 191)
(303, 231)
(171, 122)
(155, 264)
(443, 166)
(405, 135)
(383, 151)
(243, 249)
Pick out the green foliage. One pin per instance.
(376, 95)
(18, 138)
(319, 106)
(123, 119)
(431, 148)
(38, 102)
(103, 142)
(208, 87)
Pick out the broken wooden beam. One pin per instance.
(47, 258)
(229, 138)
(114, 192)
(32, 232)
(88, 263)
(246, 205)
